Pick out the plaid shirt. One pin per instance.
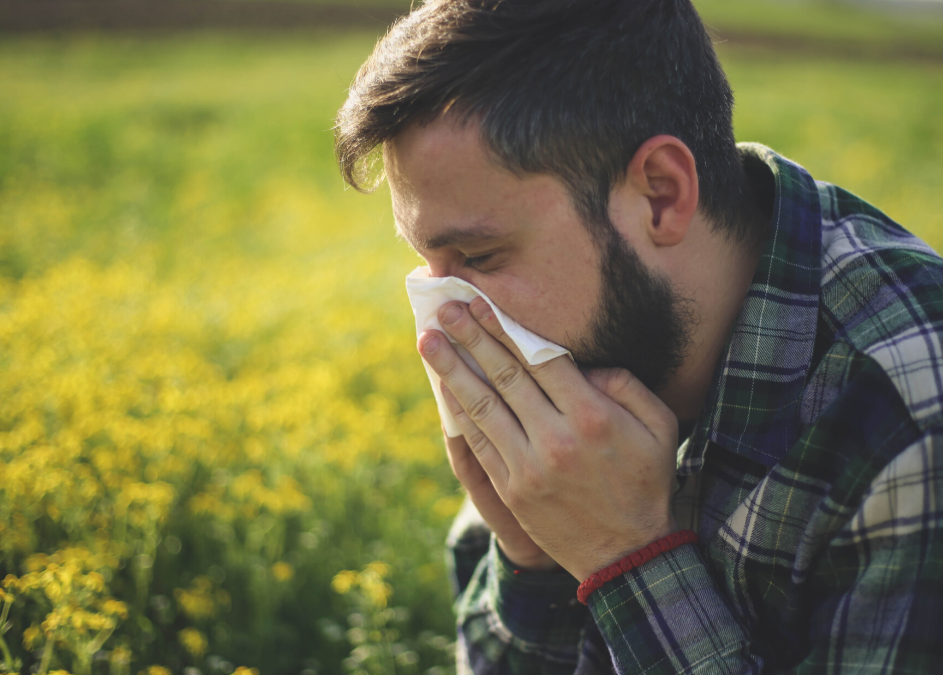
(814, 477)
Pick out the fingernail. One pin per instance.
(452, 314)
(429, 344)
(480, 309)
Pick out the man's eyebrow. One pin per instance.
(453, 237)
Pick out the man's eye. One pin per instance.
(476, 261)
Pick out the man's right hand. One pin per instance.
(516, 544)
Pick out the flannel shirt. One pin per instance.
(814, 477)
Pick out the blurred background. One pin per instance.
(218, 450)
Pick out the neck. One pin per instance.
(719, 276)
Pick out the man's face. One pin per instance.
(519, 239)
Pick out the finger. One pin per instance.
(512, 538)
(558, 378)
(475, 399)
(628, 391)
(504, 369)
(465, 465)
(483, 451)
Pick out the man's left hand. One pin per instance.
(585, 463)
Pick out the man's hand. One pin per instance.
(585, 465)
(513, 540)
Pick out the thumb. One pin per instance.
(628, 391)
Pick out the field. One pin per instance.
(217, 447)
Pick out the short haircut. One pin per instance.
(570, 88)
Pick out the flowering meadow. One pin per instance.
(218, 451)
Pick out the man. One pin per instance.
(575, 161)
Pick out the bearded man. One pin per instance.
(575, 161)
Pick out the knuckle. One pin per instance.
(591, 421)
(481, 408)
(512, 499)
(448, 367)
(477, 441)
(559, 452)
(620, 378)
(507, 376)
(473, 340)
(531, 483)
(668, 424)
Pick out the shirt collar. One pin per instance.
(753, 404)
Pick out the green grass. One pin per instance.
(177, 198)
(833, 21)
(827, 21)
(873, 128)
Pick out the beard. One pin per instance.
(641, 323)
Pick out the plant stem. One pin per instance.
(7, 656)
(47, 654)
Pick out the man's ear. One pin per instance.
(663, 172)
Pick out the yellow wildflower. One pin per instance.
(381, 569)
(343, 581)
(194, 642)
(51, 623)
(375, 589)
(282, 571)
(115, 608)
(31, 637)
(197, 601)
(120, 656)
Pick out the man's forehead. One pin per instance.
(444, 141)
(443, 185)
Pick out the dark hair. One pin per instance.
(564, 87)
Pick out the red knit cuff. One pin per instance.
(632, 561)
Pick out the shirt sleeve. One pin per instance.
(511, 621)
(879, 613)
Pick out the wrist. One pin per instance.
(638, 558)
(530, 561)
(606, 558)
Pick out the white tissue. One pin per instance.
(427, 294)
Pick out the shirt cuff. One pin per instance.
(667, 616)
(536, 607)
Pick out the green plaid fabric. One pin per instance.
(814, 477)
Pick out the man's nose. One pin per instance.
(438, 269)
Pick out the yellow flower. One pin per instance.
(381, 569)
(120, 656)
(242, 670)
(114, 607)
(31, 637)
(375, 589)
(156, 670)
(95, 582)
(51, 623)
(53, 590)
(194, 642)
(282, 571)
(197, 601)
(343, 581)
